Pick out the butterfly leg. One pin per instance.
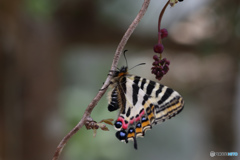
(106, 86)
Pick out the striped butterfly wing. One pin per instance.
(162, 103)
(142, 104)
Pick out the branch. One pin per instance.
(86, 116)
(159, 22)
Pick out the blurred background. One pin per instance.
(56, 54)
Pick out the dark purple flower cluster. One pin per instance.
(160, 67)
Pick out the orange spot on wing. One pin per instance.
(151, 117)
(131, 135)
(144, 124)
(138, 130)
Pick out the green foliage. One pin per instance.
(40, 8)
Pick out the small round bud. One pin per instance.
(159, 74)
(164, 33)
(160, 68)
(159, 78)
(158, 48)
(166, 68)
(167, 62)
(161, 62)
(155, 57)
(155, 63)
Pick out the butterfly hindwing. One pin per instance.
(142, 103)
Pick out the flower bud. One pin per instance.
(155, 57)
(155, 63)
(167, 62)
(164, 33)
(158, 48)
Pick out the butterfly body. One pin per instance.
(142, 103)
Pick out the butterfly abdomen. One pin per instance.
(117, 95)
(113, 105)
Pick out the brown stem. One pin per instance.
(159, 22)
(86, 116)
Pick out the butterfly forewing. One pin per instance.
(142, 103)
(156, 98)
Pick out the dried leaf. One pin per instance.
(104, 128)
(173, 2)
(94, 132)
(107, 121)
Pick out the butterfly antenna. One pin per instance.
(137, 65)
(124, 53)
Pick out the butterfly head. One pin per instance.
(121, 72)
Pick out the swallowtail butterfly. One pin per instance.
(142, 103)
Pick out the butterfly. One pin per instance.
(142, 103)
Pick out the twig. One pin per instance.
(160, 20)
(86, 116)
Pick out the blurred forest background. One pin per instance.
(55, 55)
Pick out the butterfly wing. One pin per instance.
(142, 103)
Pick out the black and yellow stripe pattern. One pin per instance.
(142, 103)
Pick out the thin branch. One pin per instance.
(159, 22)
(86, 116)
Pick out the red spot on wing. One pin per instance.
(136, 119)
(132, 121)
(124, 125)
